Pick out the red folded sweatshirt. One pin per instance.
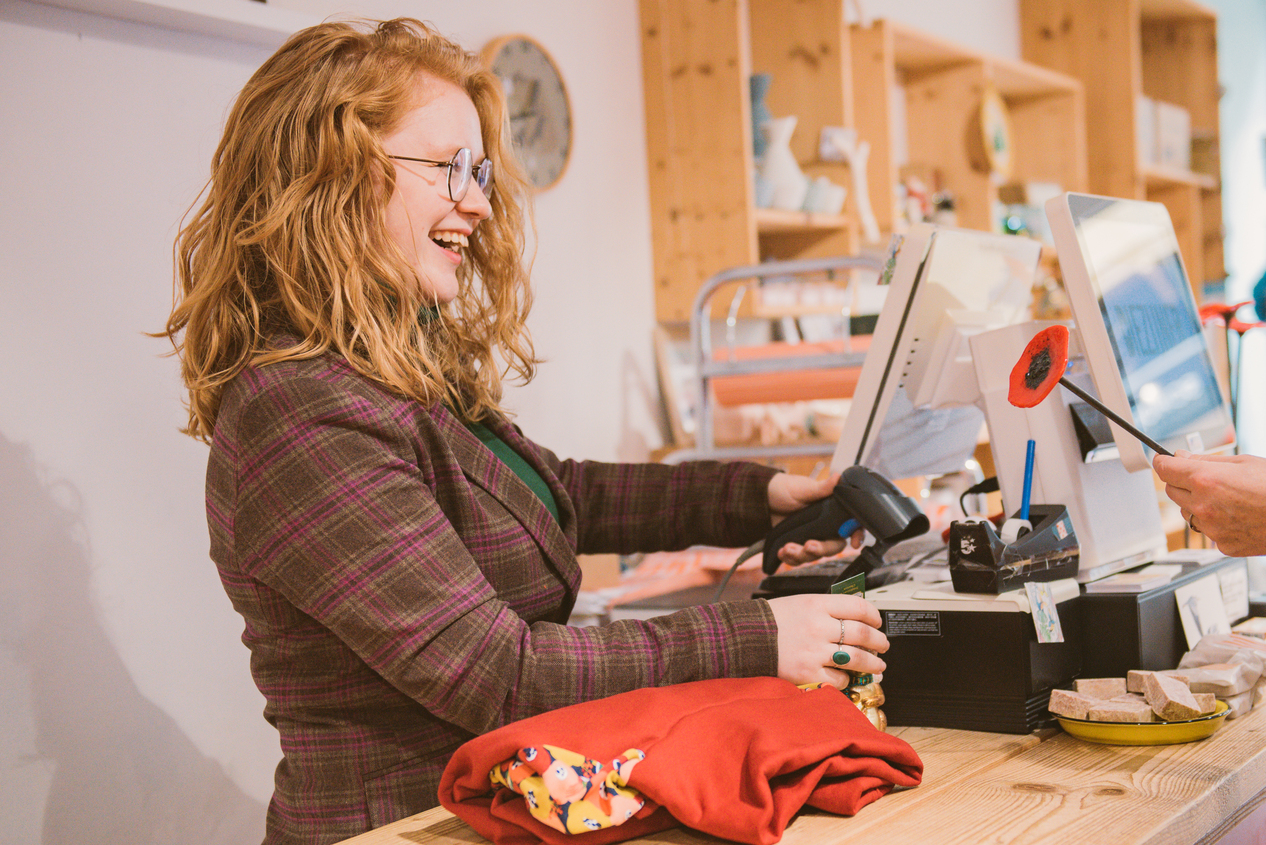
(734, 757)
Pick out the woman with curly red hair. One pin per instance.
(350, 294)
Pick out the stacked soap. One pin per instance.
(1141, 696)
(1234, 683)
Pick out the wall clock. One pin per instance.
(540, 113)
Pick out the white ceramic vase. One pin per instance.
(779, 168)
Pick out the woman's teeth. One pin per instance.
(455, 241)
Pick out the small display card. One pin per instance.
(1201, 609)
(1045, 613)
(1233, 581)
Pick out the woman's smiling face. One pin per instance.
(430, 229)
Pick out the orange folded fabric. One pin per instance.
(735, 758)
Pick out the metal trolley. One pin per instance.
(706, 368)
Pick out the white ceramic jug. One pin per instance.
(779, 167)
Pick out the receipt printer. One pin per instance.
(974, 661)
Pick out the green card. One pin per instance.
(854, 586)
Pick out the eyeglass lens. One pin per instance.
(460, 170)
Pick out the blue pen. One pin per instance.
(1028, 479)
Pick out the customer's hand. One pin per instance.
(789, 493)
(812, 628)
(1222, 496)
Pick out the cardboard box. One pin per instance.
(1173, 136)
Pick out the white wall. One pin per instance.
(127, 714)
(1242, 70)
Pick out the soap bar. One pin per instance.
(1103, 688)
(1135, 678)
(1129, 697)
(1206, 701)
(1121, 710)
(1221, 679)
(1170, 698)
(1239, 704)
(1073, 705)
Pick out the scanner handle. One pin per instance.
(822, 519)
(861, 499)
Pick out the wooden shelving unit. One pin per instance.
(697, 58)
(1165, 50)
(938, 87)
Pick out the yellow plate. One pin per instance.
(1146, 733)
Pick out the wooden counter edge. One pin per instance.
(1230, 768)
(951, 755)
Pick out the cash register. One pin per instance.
(956, 317)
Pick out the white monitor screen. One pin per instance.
(915, 411)
(1133, 302)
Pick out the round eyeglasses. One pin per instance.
(460, 168)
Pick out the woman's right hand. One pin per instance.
(813, 627)
(1222, 496)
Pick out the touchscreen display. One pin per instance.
(1152, 323)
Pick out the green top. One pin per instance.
(517, 465)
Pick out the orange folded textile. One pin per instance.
(734, 757)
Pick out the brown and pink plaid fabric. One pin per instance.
(403, 590)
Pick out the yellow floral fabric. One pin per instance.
(570, 792)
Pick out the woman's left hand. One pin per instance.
(820, 633)
(789, 493)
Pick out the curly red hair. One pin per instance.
(289, 238)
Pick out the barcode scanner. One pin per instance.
(861, 499)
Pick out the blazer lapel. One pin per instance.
(484, 469)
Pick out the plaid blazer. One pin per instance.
(403, 590)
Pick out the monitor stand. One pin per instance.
(1116, 513)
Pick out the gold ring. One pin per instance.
(1191, 523)
(841, 641)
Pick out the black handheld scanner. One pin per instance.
(861, 499)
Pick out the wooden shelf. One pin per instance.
(240, 20)
(697, 57)
(774, 220)
(1018, 81)
(931, 90)
(1175, 9)
(1157, 176)
(1123, 52)
(916, 53)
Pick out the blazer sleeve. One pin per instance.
(650, 507)
(332, 511)
(626, 508)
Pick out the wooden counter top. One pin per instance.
(1046, 787)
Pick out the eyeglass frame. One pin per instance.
(480, 174)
